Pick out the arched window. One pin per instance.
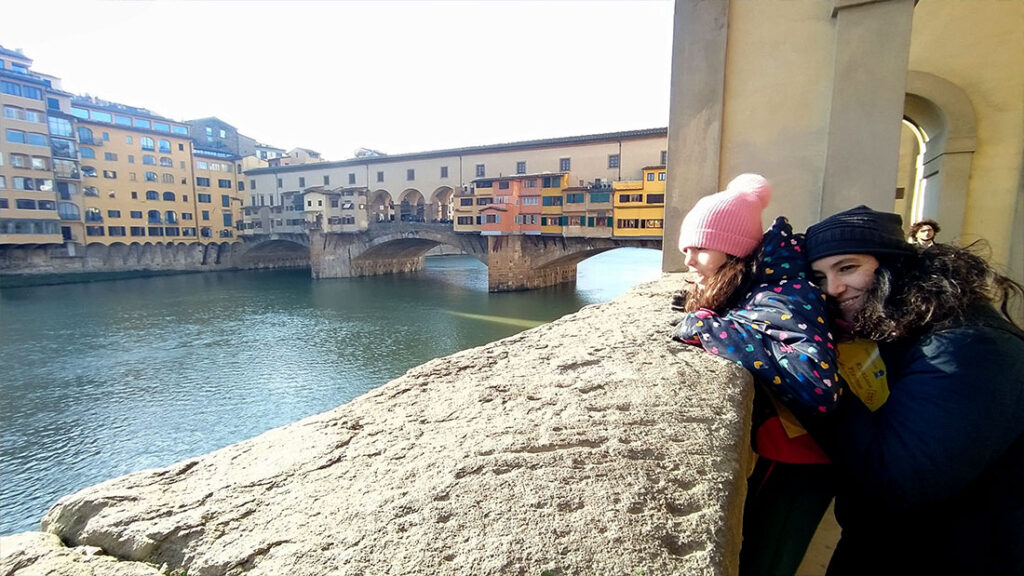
(167, 178)
(91, 191)
(166, 162)
(85, 135)
(68, 211)
(89, 171)
(165, 146)
(87, 153)
(149, 160)
(169, 196)
(150, 176)
(154, 216)
(147, 143)
(172, 218)
(152, 195)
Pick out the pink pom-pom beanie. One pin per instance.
(729, 221)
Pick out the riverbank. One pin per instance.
(26, 280)
(71, 262)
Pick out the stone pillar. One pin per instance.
(330, 255)
(519, 263)
(695, 114)
(872, 49)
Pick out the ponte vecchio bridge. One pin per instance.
(518, 262)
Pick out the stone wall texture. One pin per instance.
(47, 260)
(592, 445)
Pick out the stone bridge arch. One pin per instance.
(416, 240)
(386, 249)
(274, 251)
(528, 262)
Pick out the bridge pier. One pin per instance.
(527, 262)
(330, 255)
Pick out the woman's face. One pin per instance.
(703, 261)
(847, 278)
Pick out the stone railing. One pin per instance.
(592, 445)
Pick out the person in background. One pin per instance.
(923, 232)
(931, 481)
(753, 304)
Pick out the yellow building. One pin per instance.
(218, 194)
(551, 201)
(467, 206)
(465, 212)
(640, 206)
(136, 170)
(29, 201)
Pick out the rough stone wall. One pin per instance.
(592, 445)
(522, 263)
(77, 259)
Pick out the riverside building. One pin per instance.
(137, 177)
(39, 173)
(78, 170)
(445, 185)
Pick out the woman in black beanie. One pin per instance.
(931, 478)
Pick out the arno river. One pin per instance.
(101, 379)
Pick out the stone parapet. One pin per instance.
(592, 445)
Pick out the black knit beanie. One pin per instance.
(859, 230)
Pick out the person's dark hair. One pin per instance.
(724, 289)
(918, 225)
(931, 290)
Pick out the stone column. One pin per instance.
(695, 114)
(872, 49)
(329, 255)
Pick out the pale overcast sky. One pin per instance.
(333, 75)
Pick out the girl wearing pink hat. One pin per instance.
(752, 304)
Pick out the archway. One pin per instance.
(411, 206)
(937, 149)
(441, 204)
(381, 207)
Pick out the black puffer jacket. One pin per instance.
(933, 481)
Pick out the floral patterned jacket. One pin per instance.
(779, 332)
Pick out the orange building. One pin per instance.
(516, 206)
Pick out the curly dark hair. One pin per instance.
(932, 290)
(921, 224)
(724, 290)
